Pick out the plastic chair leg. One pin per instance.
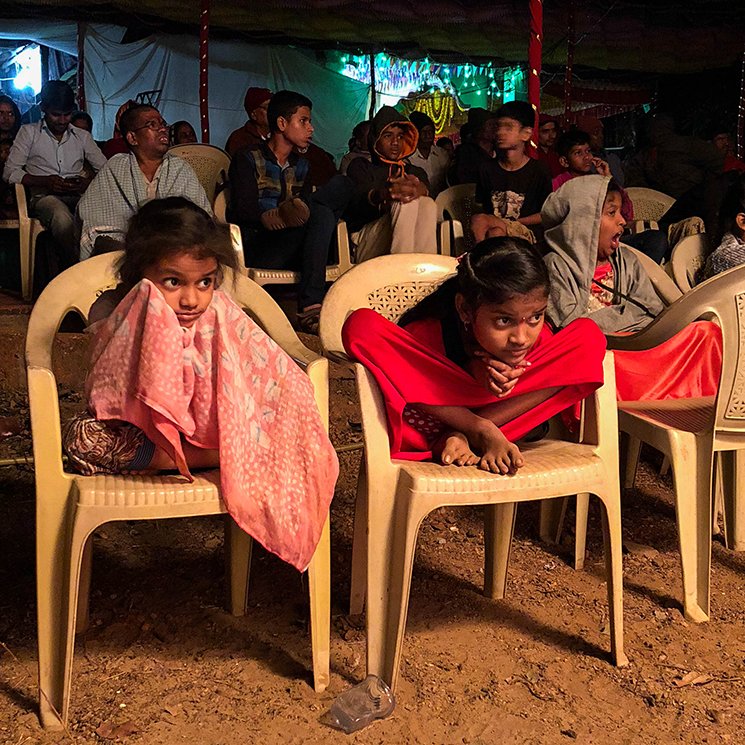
(24, 239)
(499, 525)
(319, 586)
(551, 519)
(378, 596)
(238, 550)
(612, 542)
(84, 589)
(359, 546)
(630, 449)
(692, 466)
(402, 549)
(733, 488)
(580, 530)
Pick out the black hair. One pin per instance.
(566, 141)
(57, 95)
(614, 188)
(732, 205)
(163, 227)
(520, 111)
(83, 115)
(284, 104)
(16, 114)
(128, 119)
(360, 127)
(173, 132)
(494, 271)
(443, 141)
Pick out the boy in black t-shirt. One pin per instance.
(512, 188)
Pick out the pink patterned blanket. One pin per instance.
(221, 384)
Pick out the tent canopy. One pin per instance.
(663, 36)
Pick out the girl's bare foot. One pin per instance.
(452, 448)
(498, 454)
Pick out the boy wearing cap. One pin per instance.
(256, 129)
(391, 210)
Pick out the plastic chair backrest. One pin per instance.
(210, 163)
(665, 288)
(687, 260)
(722, 299)
(77, 288)
(389, 285)
(649, 204)
(456, 203)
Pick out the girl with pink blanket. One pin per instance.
(180, 378)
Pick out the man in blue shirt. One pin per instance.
(49, 157)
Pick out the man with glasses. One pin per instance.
(49, 157)
(130, 179)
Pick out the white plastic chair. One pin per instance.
(649, 204)
(29, 229)
(692, 432)
(210, 163)
(455, 207)
(289, 277)
(69, 507)
(394, 496)
(663, 285)
(688, 259)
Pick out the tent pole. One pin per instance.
(81, 67)
(373, 85)
(534, 64)
(204, 33)
(570, 64)
(740, 146)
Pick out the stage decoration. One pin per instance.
(204, 33)
(395, 78)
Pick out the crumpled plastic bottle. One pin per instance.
(362, 704)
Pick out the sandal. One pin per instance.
(308, 319)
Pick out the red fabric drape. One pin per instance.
(411, 368)
(204, 33)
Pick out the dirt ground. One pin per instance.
(163, 662)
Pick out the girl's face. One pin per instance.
(186, 282)
(508, 330)
(611, 226)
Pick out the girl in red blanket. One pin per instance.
(180, 377)
(473, 368)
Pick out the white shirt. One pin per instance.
(436, 167)
(38, 152)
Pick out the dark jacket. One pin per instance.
(375, 173)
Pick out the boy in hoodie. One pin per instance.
(391, 210)
(594, 276)
(512, 188)
(283, 225)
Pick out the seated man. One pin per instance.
(512, 188)
(128, 180)
(256, 129)
(476, 149)
(49, 157)
(284, 225)
(431, 158)
(391, 211)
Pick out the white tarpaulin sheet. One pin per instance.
(116, 72)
